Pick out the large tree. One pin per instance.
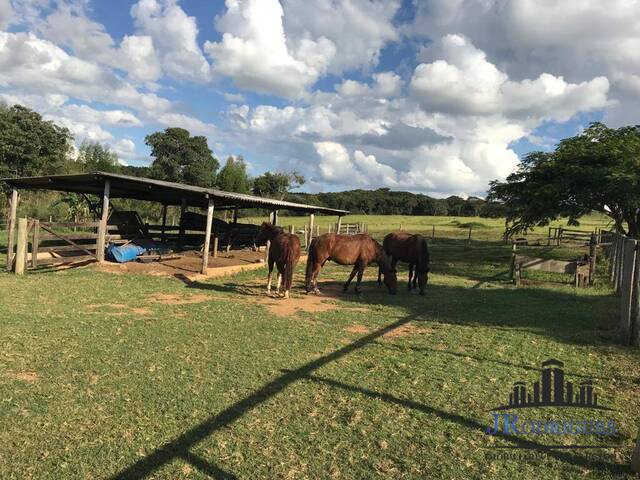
(93, 156)
(179, 157)
(276, 185)
(597, 170)
(29, 145)
(233, 176)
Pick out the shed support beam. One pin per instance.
(235, 215)
(339, 225)
(183, 209)
(207, 238)
(274, 217)
(163, 231)
(21, 250)
(311, 219)
(13, 209)
(102, 229)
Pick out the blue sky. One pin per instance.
(434, 96)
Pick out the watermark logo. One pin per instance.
(553, 393)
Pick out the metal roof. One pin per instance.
(168, 193)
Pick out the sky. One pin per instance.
(431, 96)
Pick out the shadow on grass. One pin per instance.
(180, 446)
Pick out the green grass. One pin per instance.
(96, 377)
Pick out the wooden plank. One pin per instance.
(102, 229)
(629, 255)
(21, 249)
(66, 248)
(35, 243)
(207, 238)
(63, 260)
(545, 265)
(74, 224)
(13, 209)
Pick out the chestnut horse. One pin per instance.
(357, 250)
(284, 252)
(412, 249)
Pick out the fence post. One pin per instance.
(215, 246)
(593, 248)
(513, 261)
(433, 232)
(35, 243)
(13, 211)
(620, 263)
(635, 306)
(21, 249)
(629, 254)
(613, 257)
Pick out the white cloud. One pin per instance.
(358, 29)
(254, 51)
(6, 12)
(174, 35)
(461, 80)
(385, 84)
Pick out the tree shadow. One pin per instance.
(180, 446)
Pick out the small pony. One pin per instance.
(284, 252)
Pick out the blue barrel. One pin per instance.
(125, 253)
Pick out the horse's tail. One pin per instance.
(289, 266)
(311, 260)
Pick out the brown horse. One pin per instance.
(412, 249)
(357, 250)
(284, 252)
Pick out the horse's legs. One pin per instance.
(415, 277)
(360, 272)
(379, 277)
(313, 282)
(269, 276)
(410, 274)
(278, 282)
(353, 274)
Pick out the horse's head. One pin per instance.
(265, 233)
(389, 273)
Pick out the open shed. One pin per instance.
(110, 186)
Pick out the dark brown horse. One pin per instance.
(357, 250)
(412, 249)
(284, 251)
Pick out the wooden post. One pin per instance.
(513, 261)
(433, 232)
(593, 248)
(549, 237)
(21, 249)
(291, 230)
(517, 274)
(235, 215)
(635, 456)
(163, 236)
(613, 251)
(339, 224)
(620, 264)
(207, 238)
(102, 229)
(35, 243)
(311, 220)
(305, 236)
(629, 254)
(13, 209)
(317, 230)
(400, 227)
(215, 246)
(183, 209)
(635, 307)
(274, 217)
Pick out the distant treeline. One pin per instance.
(387, 202)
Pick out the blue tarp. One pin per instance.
(125, 253)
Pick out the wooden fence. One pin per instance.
(625, 276)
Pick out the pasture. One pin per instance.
(132, 376)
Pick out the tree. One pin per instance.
(29, 145)
(93, 157)
(233, 176)
(597, 170)
(179, 157)
(276, 185)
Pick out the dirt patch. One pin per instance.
(30, 377)
(406, 329)
(357, 329)
(168, 299)
(294, 305)
(120, 309)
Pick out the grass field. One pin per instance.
(124, 376)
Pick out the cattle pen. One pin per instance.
(33, 243)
